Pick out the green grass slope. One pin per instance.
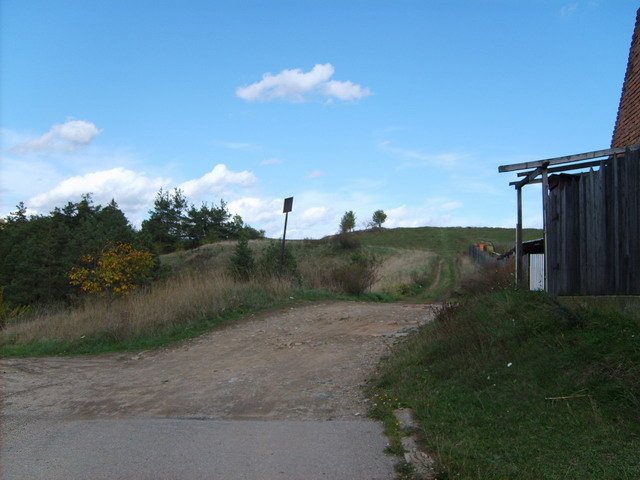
(197, 294)
(448, 243)
(513, 385)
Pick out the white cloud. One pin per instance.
(434, 212)
(65, 137)
(260, 213)
(133, 191)
(216, 181)
(344, 90)
(418, 158)
(314, 215)
(294, 85)
(309, 218)
(315, 174)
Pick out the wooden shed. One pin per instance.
(591, 218)
(591, 221)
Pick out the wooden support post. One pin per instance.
(545, 223)
(519, 265)
(284, 237)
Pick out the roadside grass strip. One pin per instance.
(513, 385)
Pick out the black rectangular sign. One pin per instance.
(288, 205)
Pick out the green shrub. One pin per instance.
(10, 313)
(357, 276)
(243, 265)
(273, 264)
(347, 241)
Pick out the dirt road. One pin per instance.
(303, 363)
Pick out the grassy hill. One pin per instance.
(198, 293)
(449, 244)
(431, 256)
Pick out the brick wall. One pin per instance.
(627, 129)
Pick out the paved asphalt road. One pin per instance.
(137, 449)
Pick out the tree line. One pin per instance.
(53, 258)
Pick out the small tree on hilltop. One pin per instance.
(348, 222)
(378, 218)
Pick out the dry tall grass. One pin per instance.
(488, 278)
(179, 301)
(402, 267)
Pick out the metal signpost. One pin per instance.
(288, 206)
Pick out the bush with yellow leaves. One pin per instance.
(117, 270)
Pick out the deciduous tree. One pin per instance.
(118, 270)
(378, 218)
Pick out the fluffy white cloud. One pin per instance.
(263, 213)
(306, 220)
(344, 90)
(133, 191)
(68, 136)
(216, 181)
(294, 85)
(433, 212)
(314, 215)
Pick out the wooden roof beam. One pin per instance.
(530, 176)
(564, 168)
(566, 159)
(530, 182)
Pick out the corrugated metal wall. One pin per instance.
(536, 271)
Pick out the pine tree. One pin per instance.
(348, 222)
(243, 265)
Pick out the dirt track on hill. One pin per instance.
(307, 362)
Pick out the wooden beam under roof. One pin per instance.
(564, 168)
(566, 159)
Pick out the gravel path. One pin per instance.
(288, 372)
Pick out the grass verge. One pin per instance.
(513, 385)
(181, 308)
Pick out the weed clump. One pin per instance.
(358, 275)
(488, 279)
(347, 241)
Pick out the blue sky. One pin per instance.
(405, 106)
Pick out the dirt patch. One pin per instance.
(304, 362)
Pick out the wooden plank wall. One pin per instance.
(593, 236)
